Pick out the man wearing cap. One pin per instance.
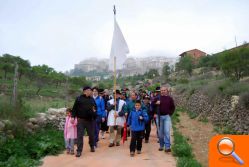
(104, 128)
(154, 106)
(165, 108)
(146, 102)
(116, 119)
(84, 109)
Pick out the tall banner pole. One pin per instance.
(115, 73)
(115, 82)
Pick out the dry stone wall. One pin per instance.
(54, 117)
(221, 111)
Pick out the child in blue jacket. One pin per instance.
(136, 122)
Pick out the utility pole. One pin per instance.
(236, 41)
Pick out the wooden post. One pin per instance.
(15, 85)
(67, 94)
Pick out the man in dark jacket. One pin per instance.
(85, 110)
(146, 102)
(166, 108)
(104, 128)
(154, 97)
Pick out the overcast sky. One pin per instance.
(61, 33)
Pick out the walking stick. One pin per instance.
(158, 113)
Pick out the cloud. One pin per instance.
(62, 33)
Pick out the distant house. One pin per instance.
(195, 53)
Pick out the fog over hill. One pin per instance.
(131, 66)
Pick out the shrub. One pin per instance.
(192, 91)
(203, 119)
(14, 161)
(192, 115)
(225, 129)
(178, 138)
(236, 88)
(244, 99)
(183, 81)
(27, 149)
(175, 118)
(182, 150)
(187, 162)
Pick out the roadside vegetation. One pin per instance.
(181, 148)
(38, 88)
(27, 149)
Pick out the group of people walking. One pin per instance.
(95, 110)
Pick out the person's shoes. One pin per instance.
(78, 154)
(168, 150)
(72, 152)
(146, 141)
(160, 149)
(111, 145)
(68, 150)
(138, 151)
(92, 149)
(132, 154)
(117, 144)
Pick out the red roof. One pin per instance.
(196, 53)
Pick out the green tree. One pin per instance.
(79, 81)
(186, 64)
(41, 75)
(152, 73)
(7, 64)
(24, 66)
(209, 61)
(57, 78)
(102, 85)
(235, 63)
(166, 71)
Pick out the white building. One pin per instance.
(93, 78)
(134, 66)
(92, 65)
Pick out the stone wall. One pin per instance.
(221, 111)
(54, 117)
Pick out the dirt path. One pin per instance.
(199, 134)
(115, 156)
